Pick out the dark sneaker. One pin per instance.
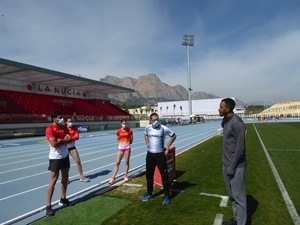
(166, 200)
(65, 202)
(49, 211)
(231, 222)
(146, 197)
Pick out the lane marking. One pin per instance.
(11, 144)
(289, 204)
(133, 185)
(224, 199)
(218, 219)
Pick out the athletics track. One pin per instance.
(24, 175)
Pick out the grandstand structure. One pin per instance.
(282, 109)
(28, 95)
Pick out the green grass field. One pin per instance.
(199, 171)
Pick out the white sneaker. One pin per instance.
(84, 179)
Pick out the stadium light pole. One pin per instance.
(188, 40)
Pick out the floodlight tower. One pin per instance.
(188, 40)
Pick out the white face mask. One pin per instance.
(123, 125)
(155, 124)
(70, 124)
(61, 121)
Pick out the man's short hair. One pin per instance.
(153, 114)
(123, 120)
(229, 102)
(55, 114)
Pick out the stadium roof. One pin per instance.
(24, 72)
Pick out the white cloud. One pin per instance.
(240, 50)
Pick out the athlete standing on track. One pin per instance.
(234, 161)
(58, 137)
(73, 130)
(155, 135)
(125, 138)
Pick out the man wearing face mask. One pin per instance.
(58, 137)
(155, 135)
(125, 138)
(73, 130)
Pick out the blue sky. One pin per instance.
(249, 49)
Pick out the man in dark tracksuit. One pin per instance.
(234, 161)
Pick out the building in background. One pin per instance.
(204, 108)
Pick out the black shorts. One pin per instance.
(72, 148)
(57, 164)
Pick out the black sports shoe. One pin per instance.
(65, 202)
(231, 222)
(146, 197)
(49, 211)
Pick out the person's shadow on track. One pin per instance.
(102, 173)
(93, 176)
(175, 186)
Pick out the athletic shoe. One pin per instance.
(231, 222)
(49, 211)
(146, 197)
(166, 200)
(65, 202)
(125, 179)
(84, 179)
(112, 181)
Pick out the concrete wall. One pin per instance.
(38, 129)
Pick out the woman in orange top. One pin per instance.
(125, 138)
(72, 149)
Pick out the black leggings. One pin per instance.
(159, 160)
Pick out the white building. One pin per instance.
(207, 108)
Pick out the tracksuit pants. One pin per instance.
(235, 187)
(159, 160)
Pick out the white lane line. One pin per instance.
(290, 206)
(224, 199)
(23, 192)
(132, 185)
(218, 219)
(11, 144)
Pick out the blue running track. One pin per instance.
(24, 176)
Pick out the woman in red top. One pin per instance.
(125, 138)
(72, 149)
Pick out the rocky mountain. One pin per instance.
(149, 90)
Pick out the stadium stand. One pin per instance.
(29, 94)
(283, 109)
(107, 108)
(13, 102)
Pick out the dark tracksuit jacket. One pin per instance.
(234, 149)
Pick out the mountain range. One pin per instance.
(149, 90)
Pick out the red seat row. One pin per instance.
(14, 102)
